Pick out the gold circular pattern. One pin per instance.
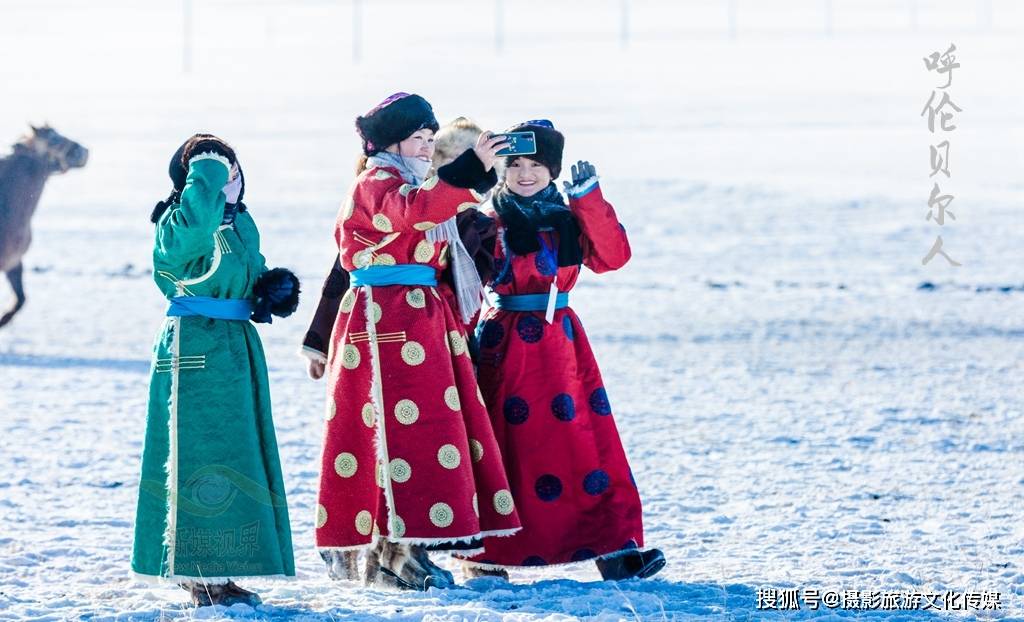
(348, 301)
(406, 189)
(407, 412)
(350, 356)
(426, 225)
(449, 457)
(413, 353)
(368, 416)
(321, 515)
(363, 258)
(377, 313)
(441, 514)
(382, 223)
(503, 503)
(384, 259)
(345, 464)
(458, 343)
(476, 450)
(364, 522)
(465, 206)
(399, 526)
(347, 209)
(451, 397)
(400, 470)
(416, 298)
(424, 251)
(429, 184)
(382, 175)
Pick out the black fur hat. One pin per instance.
(393, 120)
(550, 144)
(178, 172)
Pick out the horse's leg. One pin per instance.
(14, 278)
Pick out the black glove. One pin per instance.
(276, 292)
(581, 172)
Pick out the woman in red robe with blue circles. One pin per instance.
(573, 488)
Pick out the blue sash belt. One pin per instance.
(530, 302)
(402, 274)
(215, 308)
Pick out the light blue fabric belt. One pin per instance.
(530, 302)
(215, 308)
(402, 274)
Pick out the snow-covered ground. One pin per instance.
(803, 403)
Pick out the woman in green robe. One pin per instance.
(211, 499)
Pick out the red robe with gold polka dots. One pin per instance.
(409, 453)
(570, 479)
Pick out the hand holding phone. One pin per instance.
(519, 143)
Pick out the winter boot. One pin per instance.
(473, 571)
(342, 565)
(227, 594)
(632, 565)
(404, 567)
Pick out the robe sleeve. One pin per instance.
(604, 242)
(185, 231)
(314, 344)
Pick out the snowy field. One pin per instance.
(804, 405)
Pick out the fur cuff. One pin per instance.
(467, 171)
(276, 292)
(209, 155)
(583, 188)
(313, 355)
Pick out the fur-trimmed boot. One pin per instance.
(342, 565)
(404, 567)
(227, 594)
(631, 565)
(474, 571)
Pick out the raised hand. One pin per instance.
(581, 172)
(487, 147)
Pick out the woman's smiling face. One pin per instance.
(526, 177)
(419, 145)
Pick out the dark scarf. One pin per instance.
(523, 218)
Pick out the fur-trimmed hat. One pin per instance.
(393, 120)
(550, 144)
(453, 139)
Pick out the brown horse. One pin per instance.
(22, 177)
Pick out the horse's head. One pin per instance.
(61, 154)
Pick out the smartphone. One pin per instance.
(519, 143)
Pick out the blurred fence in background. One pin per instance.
(108, 32)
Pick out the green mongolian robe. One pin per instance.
(211, 499)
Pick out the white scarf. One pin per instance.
(469, 291)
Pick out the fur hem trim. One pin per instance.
(313, 354)
(461, 556)
(209, 155)
(345, 549)
(501, 533)
(179, 579)
(580, 190)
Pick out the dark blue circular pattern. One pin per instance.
(546, 264)
(583, 554)
(567, 327)
(530, 328)
(534, 560)
(516, 410)
(548, 487)
(563, 407)
(596, 482)
(491, 334)
(599, 402)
